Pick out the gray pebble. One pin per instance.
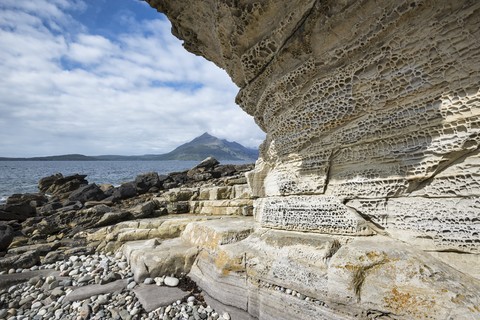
(85, 278)
(103, 299)
(57, 292)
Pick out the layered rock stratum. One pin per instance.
(371, 110)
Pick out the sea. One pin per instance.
(23, 176)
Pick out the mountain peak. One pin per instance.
(207, 145)
(205, 134)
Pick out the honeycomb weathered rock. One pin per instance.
(359, 99)
(371, 109)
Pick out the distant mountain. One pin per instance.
(65, 157)
(198, 149)
(207, 145)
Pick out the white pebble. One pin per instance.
(159, 281)
(171, 281)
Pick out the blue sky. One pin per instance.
(106, 77)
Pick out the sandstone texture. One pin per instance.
(371, 111)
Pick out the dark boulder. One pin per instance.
(45, 183)
(24, 260)
(224, 171)
(22, 206)
(207, 164)
(90, 192)
(71, 206)
(107, 189)
(60, 185)
(6, 236)
(204, 170)
(177, 178)
(50, 208)
(33, 199)
(125, 191)
(145, 182)
(8, 216)
(18, 211)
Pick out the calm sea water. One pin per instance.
(23, 176)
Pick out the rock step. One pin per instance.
(331, 277)
(152, 297)
(164, 227)
(7, 280)
(211, 234)
(234, 207)
(85, 292)
(156, 257)
(152, 258)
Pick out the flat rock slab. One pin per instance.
(153, 297)
(82, 293)
(235, 313)
(7, 280)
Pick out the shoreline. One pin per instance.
(58, 233)
(28, 173)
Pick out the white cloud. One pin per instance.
(75, 91)
(91, 49)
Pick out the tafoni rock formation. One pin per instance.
(367, 187)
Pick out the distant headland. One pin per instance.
(198, 149)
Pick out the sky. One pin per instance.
(106, 77)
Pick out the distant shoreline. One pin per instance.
(133, 158)
(198, 149)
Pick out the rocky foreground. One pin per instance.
(69, 251)
(188, 243)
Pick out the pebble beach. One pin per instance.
(97, 286)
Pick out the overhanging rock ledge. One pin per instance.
(372, 115)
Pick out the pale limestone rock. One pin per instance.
(165, 227)
(220, 207)
(360, 100)
(241, 191)
(321, 214)
(343, 278)
(177, 194)
(446, 224)
(172, 256)
(211, 234)
(371, 110)
(209, 200)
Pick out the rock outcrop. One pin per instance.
(372, 112)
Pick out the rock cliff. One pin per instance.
(372, 115)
